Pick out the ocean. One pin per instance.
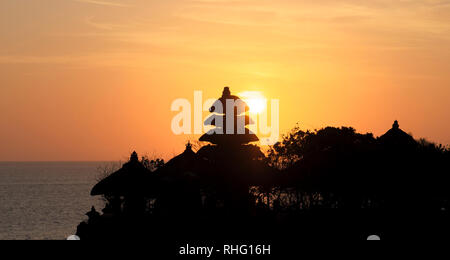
(45, 200)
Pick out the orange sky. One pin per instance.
(94, 79)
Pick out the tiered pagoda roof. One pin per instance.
(219, 135)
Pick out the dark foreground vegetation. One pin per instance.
(327, 184)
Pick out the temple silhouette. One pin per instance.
(332, 182)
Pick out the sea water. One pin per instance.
(46, 200)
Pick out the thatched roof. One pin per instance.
(130, 179)
(219, 135)
(229, 139)
(397, 137)
(182, 167)
(214, 119)
(222, 103)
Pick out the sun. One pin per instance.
(255, 100)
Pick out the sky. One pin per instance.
(89, 80)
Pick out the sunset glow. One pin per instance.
(94, 80)
(255, 100)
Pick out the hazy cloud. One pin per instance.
(101, 2)
(103, 26)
